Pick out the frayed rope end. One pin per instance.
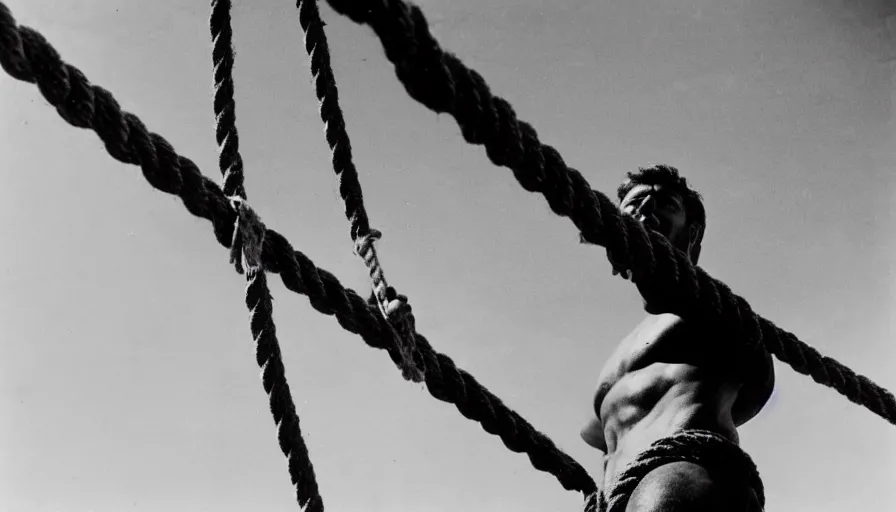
(248, 238)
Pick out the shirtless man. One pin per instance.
(668, 376)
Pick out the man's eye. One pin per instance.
(666, 201)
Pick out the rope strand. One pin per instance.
(27, 56)
(246, 249)
(395, 309)
(664, 275)
(229, 160)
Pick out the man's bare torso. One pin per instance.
(667, 376)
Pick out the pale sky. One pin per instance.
(127, 376)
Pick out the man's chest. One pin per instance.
(661, 338)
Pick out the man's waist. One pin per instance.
(630, 441)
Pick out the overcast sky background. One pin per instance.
(127, 375)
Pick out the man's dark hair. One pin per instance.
(667, 176)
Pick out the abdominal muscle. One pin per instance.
(657, 401)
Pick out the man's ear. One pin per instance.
(694, 238)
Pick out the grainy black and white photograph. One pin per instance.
(430, 256)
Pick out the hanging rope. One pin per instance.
(246, 253)
(665, 277)
(229, 159)
(26, 56)
(394, 307)
(246, 249)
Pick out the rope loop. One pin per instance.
(364, 243)
(394, 308)
(248, 237)
(397, 312)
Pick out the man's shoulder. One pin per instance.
(660, 324)
(668, 324)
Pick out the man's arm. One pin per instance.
(759, 383)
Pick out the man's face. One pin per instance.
(659, 209)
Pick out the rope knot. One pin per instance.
(248, 237)
(398, 312)
(394, 308)
(364, 243)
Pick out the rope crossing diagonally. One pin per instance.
(664, 275)
(26, 56)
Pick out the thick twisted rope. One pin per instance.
(394, 307)
(246, 249)
(665, 277)
(229, 160)
(729, 464)
(249, 240)
(26, 56)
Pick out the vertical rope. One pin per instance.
(393, 306)
(229, 160)
(246, 250)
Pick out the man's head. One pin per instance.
(663, 201)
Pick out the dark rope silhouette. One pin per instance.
(246, 249)
(27, 56)
(229, 159)
(664, 275)
(393, 306)
(706, 448)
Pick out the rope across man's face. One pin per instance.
(661, 209)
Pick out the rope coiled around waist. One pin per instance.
(711, 450)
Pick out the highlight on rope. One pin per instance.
(665, 277)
